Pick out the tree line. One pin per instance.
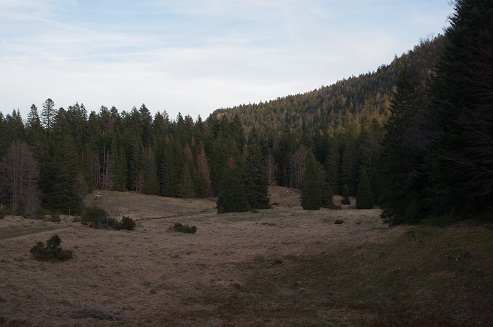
(438, 144)
(54, 158)
(414, 137)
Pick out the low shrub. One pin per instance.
(97, 217)
(52, 251)
(2, 213)
(52, 218)
(127, 223)
(339, 221)
(178, 227)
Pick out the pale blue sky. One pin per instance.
(194, 56)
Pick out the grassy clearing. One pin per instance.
(431, 276)
(278, 267)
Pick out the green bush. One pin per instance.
(339, 221)
(41, 213)
(97, 217)
(127, 223)
(178, 227)
(94, 216)
(52, 251)
(2, 213)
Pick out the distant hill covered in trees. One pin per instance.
(342, 124)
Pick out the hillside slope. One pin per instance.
(365, 97)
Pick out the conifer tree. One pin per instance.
(203, 187)
(232, 195)
(256, 179)
(461, 157)
(345, 195)
(327, 193)
(48, 114)
(404, 151)
(118, 162)
(364, 197)
(168, 173)
(311, 193)
(151, 184)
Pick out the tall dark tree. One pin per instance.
(14, 126)
(462, 154)
(256, 178)
(151, 184)
(48, 114)
(364, 197)
(232, 195)
(203, 187)
(404, 151)
(311, 193)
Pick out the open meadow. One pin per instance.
(277, 267)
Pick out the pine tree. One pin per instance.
(462, 154)
(48, 114)
(203, 187)
(168, 171)
(364, 197)
(327, 193)
(256, 179)
(232, 194)
(311, 193)
(404, 151)
(345, 195)
(151, 184)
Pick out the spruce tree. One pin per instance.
(311, 193)
(47, 114)
(462, 155)
(151, 184)
(256, 179)
(345, 195)
(203, 187)
(364, 197)
(232, 194)
(404, 153)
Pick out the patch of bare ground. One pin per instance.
(277, 267)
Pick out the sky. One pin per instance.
(195, 56)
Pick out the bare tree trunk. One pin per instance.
(19, 178)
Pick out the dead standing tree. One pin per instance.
(19, 179)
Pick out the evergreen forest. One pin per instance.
(414, 137)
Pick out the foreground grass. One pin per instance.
(430, 276)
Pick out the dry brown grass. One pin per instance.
(277, 267)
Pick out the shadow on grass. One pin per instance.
(428, 276)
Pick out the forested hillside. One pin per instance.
(360, 98)
(415, 136)
(342, 124)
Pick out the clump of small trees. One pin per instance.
(97, 217)
(179, 227)
(316, 192)
(51, 251)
